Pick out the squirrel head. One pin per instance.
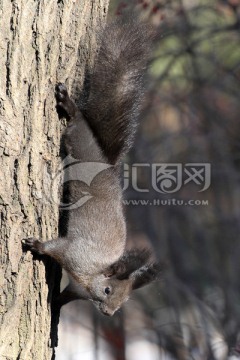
(109, 290)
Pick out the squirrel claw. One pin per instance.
(33, 244)
(63, 100)
(61, 91)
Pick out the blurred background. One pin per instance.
(187, 211)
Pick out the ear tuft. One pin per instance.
(146, 274)
(129, 263)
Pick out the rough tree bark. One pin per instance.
(41, 43)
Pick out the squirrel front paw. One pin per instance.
(63, 100)
(33, 245)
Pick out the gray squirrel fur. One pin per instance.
(93, 252)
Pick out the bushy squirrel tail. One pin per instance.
(117, 85)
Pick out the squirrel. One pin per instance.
(93, 251)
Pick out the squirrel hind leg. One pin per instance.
(64, 102)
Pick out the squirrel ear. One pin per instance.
(128, 263)
(146, 274)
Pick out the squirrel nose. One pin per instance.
(108, 312)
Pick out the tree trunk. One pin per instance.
(42, 43)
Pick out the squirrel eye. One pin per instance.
(107, 290)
